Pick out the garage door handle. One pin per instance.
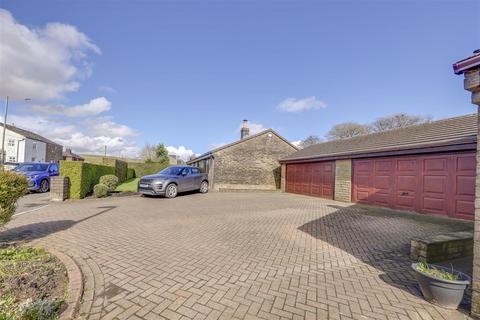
(404, 193)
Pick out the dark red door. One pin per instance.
(313, 179)
(439, 184)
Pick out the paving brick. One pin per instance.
(236, 256)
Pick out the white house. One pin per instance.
(26, 146)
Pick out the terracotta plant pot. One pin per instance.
(444, 293)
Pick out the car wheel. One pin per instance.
(171, 191)
(204, 187)
(44, 186)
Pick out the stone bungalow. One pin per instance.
(428, 168)
(249, 163)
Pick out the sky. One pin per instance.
(186, 73)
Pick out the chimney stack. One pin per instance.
(245, 132)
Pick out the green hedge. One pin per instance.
(130, 173)
(120, 166)
(143, 169)
(83, 176)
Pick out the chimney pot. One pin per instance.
(245, 132)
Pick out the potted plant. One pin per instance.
(440, 285)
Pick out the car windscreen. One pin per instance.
(174, 171)
(30, 167)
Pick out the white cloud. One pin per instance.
(107, 89)
(104, 126)
(83, 143)
(42, 63)
(94, 107)
(91, 137)
(254, 128)
(296, 143)
(297, 105)
(181, 152)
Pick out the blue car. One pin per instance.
(38, 174)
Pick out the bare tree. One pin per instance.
(148, 153)
(399, 120)
(347, 130)
(310, 141)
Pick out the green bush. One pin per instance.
(83, 176)
(130, 174)
(12, 187)
(42, 309)
(143, 169)
(100, 190)
(110, 180)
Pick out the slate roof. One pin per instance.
(209, 153)
(68, 153)
(28, 134)
(445, 132)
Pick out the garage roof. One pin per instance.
(458, 131)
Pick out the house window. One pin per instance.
(33, 159)
(11, 143)
(34, 146)
(11, 159)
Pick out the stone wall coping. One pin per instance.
(75, 284)
(445, 237)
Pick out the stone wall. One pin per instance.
(251, 164)
(59, 188)
(472, 84)
(283, 181)
(54, 152)
(343, 180)
(476, 236)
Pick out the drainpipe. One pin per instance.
(470, 68)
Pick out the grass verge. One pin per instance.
(129, 185)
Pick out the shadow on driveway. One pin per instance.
(381, 238)
(42, 229)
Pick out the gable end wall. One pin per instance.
(252, 164)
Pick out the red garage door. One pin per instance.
(313, 179)
(439, 184)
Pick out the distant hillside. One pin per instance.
(92, 158)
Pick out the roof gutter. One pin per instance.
(473, 61)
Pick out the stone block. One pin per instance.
(343, 180)
(442, 247)
(59, 188)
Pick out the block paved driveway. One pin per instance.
(237, 256)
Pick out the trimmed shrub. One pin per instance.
(110, 180)
(121, 168)
(130, 173)
(12, 187)
(100, 190)
(83, 176)
(143, 169)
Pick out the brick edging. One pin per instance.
(75, 285)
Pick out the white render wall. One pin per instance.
(35, 151)
(23, 149)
